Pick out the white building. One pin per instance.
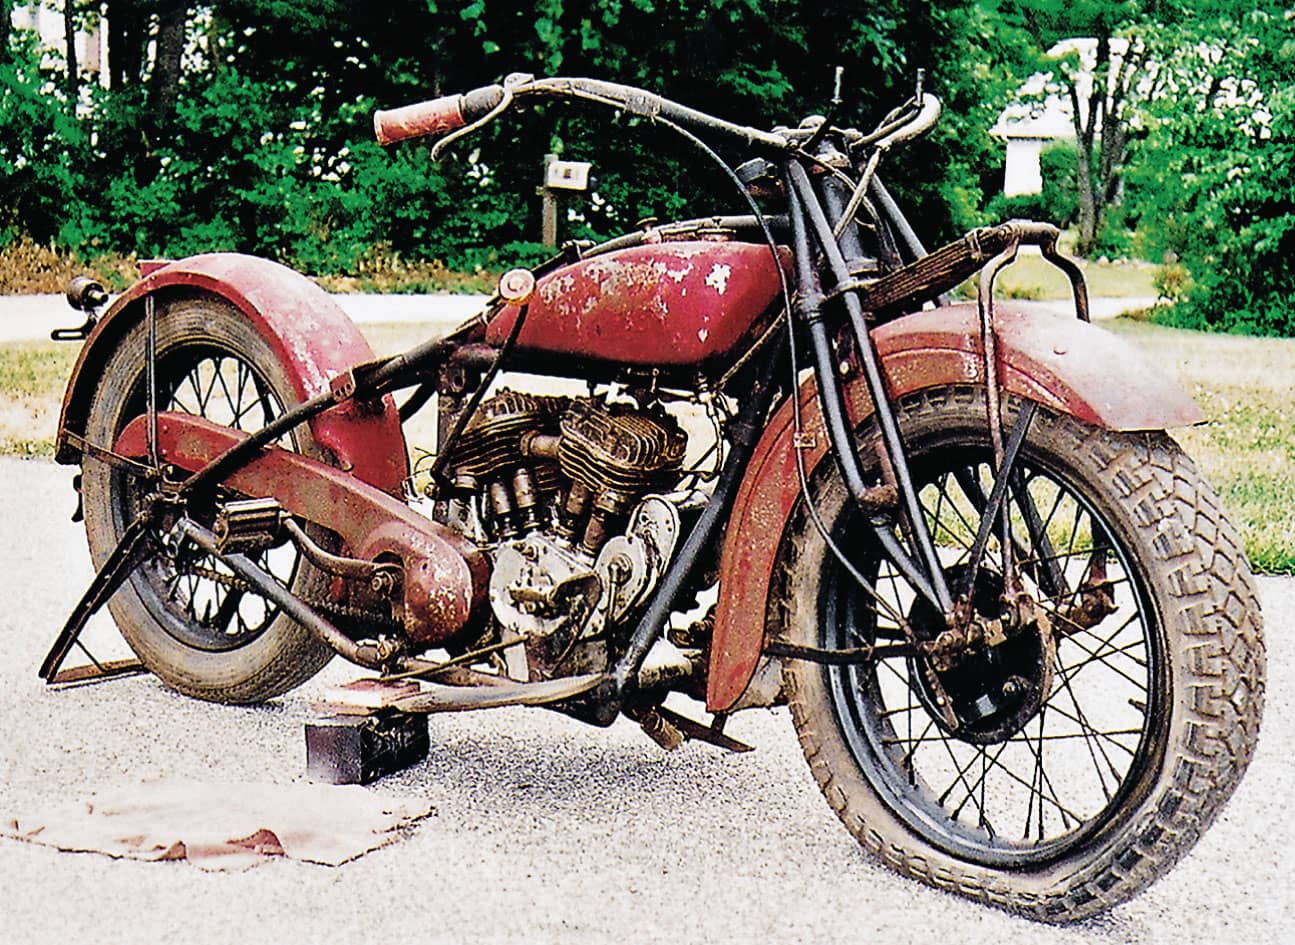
(1041, 115)
(91, 45)
(1025, 136)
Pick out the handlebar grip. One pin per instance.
(436, 117)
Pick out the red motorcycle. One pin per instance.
(1020, 643)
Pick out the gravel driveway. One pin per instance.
(544, 831)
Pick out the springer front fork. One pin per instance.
(820, 229)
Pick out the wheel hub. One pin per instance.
(984, 682)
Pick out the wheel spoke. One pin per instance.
(1003, 775)
(229, 397)
(1041, 782)
(1092, 741)
(961, 519)
(1087, 732)
(1099, 657)
(195, 600)
(981, 755)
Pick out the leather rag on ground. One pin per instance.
(222, 826)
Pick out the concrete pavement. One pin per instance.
(545, 830)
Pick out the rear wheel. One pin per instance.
(1071, 758)
(193, 624)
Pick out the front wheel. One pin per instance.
(1070, 757)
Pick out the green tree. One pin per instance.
(1213, 182)
(1107, 69)
(259, 137)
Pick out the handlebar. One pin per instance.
(436, 117)
(443, 117)
(907, 127)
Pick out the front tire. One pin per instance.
(1146, 706)
(189, 621)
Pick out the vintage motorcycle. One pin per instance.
(1020, 643)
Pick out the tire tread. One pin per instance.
(1214, 631)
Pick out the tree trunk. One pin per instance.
(69, 34)
(164, 83)
(1090, 209)
(1112, 160)
(1091, 192)
(6, 13)
(125, 43)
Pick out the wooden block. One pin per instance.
(364, 696)
(360, 749)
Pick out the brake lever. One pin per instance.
(509, 95)
(833, 107)
(922, 115)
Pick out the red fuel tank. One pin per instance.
(672, 304)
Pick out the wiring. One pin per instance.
(794, 393)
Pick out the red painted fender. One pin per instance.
(313, 338)
(445, 575)
(1064, 364)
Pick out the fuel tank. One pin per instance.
(664, 304)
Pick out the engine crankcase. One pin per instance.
(630, 565)
(539, 587)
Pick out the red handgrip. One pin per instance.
(437, 117)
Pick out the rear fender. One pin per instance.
(312, 337)
(1066, 365)
(444, 576)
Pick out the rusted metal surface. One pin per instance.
(444, 577)
(1064, 364)
(669, 304)
(433, 697)
(312, 337)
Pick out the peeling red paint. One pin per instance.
(312, 337)
(674, 304)
(445, 576)
(1065, 364)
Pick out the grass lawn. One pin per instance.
(32, 374)
(1033, 277)
(1245, 385)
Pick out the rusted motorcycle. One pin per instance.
(1020, 643)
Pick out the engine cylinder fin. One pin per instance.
(493, 440)
(620, 451)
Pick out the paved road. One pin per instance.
(27, 317)
(545, 830)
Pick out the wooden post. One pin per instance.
(549, 207)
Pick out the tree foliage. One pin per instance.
(1103, 57)
(245, 124)
(1214, 179)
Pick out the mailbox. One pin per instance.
(567, 175)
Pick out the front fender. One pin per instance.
(313, 338)
(1064, 364)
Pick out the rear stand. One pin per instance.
(123, 560)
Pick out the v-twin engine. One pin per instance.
(567, 489)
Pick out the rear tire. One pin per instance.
(1170, 702)
(200, 635)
